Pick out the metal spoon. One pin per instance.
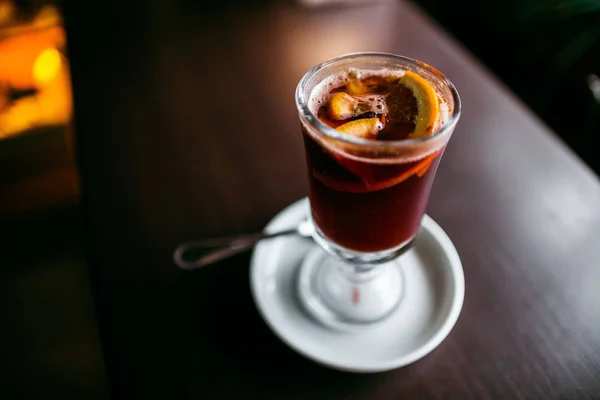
(218, 249)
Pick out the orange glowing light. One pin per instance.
(31, 62)
(46, 66)
(17, 55)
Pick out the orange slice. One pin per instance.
(342, 106)
(426, 163)
(365, 128)
(418, 169)
(428, 104)
(369, 85)
(424, 168)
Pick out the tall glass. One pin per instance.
(363, 224)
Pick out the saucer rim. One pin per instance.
(445, 327)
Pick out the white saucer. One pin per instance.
(433, 296)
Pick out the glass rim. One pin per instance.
(315, 122)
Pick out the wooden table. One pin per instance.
(187, 129)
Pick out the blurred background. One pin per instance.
(49, 344)
(35, 106)
(546, 51)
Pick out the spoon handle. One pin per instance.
(218, 249)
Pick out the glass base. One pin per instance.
(342, 296)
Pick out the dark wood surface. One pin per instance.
(49, 344)
(187, 128)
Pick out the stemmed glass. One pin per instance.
(365, 226)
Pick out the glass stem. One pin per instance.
(359, 274)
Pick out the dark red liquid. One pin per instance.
(358, 203)
(367, 213)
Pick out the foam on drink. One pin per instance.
(325, 90)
